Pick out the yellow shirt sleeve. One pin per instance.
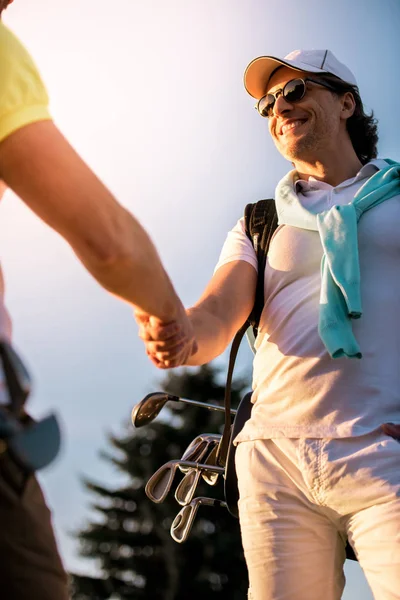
(23, 97)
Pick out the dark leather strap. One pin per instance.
(223, 446)
(260, 223)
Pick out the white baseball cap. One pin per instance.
(259, 71)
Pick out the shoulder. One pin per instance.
(237, 247)
(23, 96)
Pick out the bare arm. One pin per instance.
(41, 167)
(221, 311)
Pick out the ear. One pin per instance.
(348, 105)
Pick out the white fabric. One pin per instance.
(299, 391)
(319, 61)
(259, 71)
(301, 498)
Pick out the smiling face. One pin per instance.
(310, 128)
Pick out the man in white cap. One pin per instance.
(314, 462)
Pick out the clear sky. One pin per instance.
(150, 93)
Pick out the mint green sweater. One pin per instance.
(340, 299)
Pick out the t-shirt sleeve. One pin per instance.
(23, 96)
(237, 246)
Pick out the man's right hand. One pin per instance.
(168, 345)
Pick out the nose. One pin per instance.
(281, 106)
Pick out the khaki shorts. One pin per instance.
(30, 565)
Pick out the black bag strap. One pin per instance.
(261, 220)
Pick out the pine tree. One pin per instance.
(131, 540)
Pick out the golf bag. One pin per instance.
(261, 221)
(32, 445)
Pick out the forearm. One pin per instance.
(132, 270)
(210, 333)
(45, 171)
(222, 310)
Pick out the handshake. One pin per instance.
(168, 344)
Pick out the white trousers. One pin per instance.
(299, 501)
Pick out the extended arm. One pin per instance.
(41, 167)
(221, 311)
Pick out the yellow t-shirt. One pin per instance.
(23, 100)
(23, 97)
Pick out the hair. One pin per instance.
(4, 4)
(362, 128)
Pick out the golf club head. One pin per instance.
(194, 449)
(187, 486)
(211, 478)
(183, 522)
(36, 446)
(205, 451)
(160, 482)
(202, 437)
(199, 447)
(149, 408)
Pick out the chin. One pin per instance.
(292, 154)
(298, 150)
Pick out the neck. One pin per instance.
(332, 169)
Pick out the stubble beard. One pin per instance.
(300, 149)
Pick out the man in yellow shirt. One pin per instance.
(40, 166)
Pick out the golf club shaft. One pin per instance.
(198, 466)
(202, 404)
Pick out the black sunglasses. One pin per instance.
(293, 91)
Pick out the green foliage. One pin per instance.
(129, 535)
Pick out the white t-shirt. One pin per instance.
(299, 391)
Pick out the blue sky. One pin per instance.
(151, 95)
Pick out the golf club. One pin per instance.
(160, 482)
(187, 486)
(183, 522)
(147, 409)
(211, 478)
(185, 490)
(198, 448)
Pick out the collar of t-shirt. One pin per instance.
(318, 196)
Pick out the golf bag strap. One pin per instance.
(261, 220)
(223, 446)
